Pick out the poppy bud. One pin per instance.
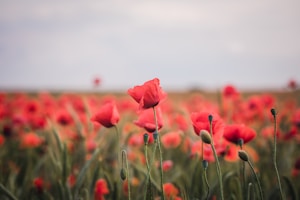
(205, 136)
(210, 118)
(155, 135)
(146, 138)
(205, 164)
(123, 174)
(273, 111)
(243, 155)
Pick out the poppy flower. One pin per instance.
(292, 84)
(149, 94)
(101, 189)
(167, 165)
(31, 140)
(171, 140)
(296, 118)
(64, 118)
(200, 122)
(236, 132)
(146, 120)
(38, 184)
(96, 81)
(108, 115)
(229, 91)
(171, 191)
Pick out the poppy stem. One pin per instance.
(242, 169)
(124, 159)
(205, 165)
(274, 113)
(218, 171)
(157, 140)
(148, 180)
(210, 119)
(257, 180)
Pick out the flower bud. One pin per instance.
(273, 111)
(205, 164)
(123, 174)
(210, 118)
(155, 135)
(205, 136)
(243, 155)
(146, 138)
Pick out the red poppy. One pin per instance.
(149, 94)
(167, 165)
(171, 140)
(38, 184)
(64, 118)
(171, 191)
(101, 189)
(2, 140)
(200, 122)
(146, 120)
(108, 115)
(97, 81)
(31, 140)
(296, 118)
(236, 132)
(229, 91)
(292, 84)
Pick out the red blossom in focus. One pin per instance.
(236, 132)
(200, 122)
(108, 115)
(149, 94)
(146, 119)
(31, 140)
(171, 139)
(101, 189)
(38, 184)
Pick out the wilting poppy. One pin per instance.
(147, 95)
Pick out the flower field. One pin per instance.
(146, 143)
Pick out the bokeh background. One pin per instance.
(64, 45)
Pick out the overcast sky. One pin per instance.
(56, 44)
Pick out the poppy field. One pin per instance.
(147, 143)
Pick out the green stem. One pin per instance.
(124, 158)
(210, 119)
(249, 191)
(160, 155)
(148, 181)
(207, 184)
(243, 174)
(257, 180)
(218, 171)
(275, 156)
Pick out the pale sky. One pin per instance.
(57, 44)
